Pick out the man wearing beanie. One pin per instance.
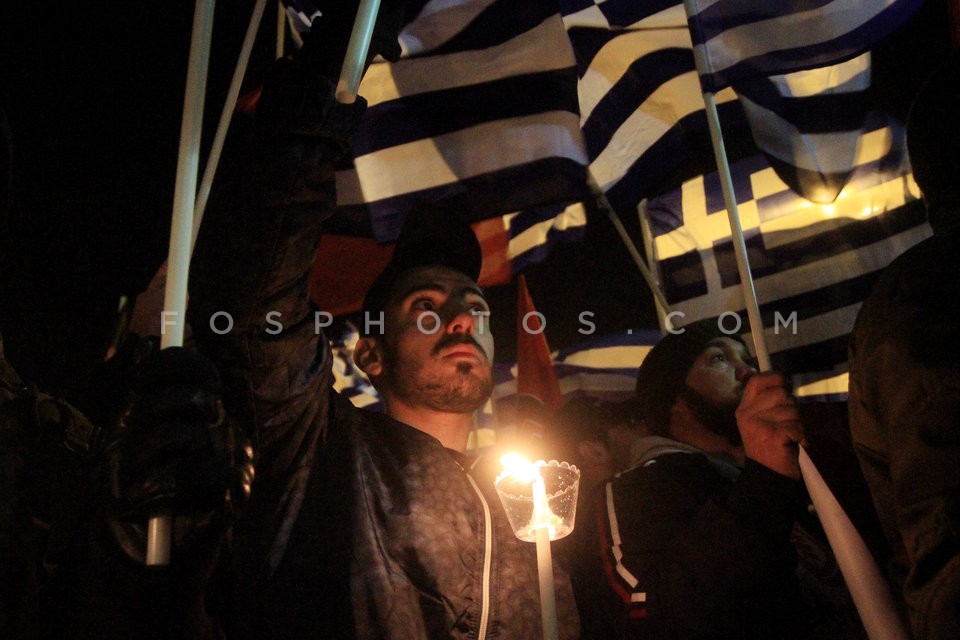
(905, 377)
(695, 538)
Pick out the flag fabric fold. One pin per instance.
(738, 39)
(480, 113)
(812, 264)
(808, 123)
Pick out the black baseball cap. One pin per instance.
(431, 235)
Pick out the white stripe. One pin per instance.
(470, 152)
(801, 29)
(536, 235)
(543, 48)
(487, 560)
(608, 357)
(673, 100)
(616, 542)
(830, 386)
(852, 75)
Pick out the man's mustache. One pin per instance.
(452, 339)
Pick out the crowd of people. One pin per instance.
(295, 514)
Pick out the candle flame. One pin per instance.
(519, 467)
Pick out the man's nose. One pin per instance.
(744, 371)
(461, 320)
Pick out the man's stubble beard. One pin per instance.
(719, 419)
(463, 392)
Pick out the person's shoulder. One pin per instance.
(674, 470)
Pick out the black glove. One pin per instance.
(177, 451)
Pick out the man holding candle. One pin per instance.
(698, 539)
(359, 524)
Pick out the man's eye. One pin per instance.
(478, 308)
(719, 357)
(423, 304)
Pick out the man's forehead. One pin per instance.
(728, 342)
(433, 277)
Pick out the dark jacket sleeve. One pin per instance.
(249, 305)
(905, 424)
(688, 554)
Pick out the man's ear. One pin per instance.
(594, 452)
(368, 355)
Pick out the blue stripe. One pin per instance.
(828, 357)
(826, 113)
(730, 14)
(623, 13)
(498, 23)
(587, 42)
(427, 115)
(822, 300)
(688, 140)
(734, 13)
(495, 193)
(642, 79)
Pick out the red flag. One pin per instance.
(535, 374)
(345, 266)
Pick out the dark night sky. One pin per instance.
(94, 97)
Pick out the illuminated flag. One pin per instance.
(480, 113)
(812, 264)
(739, 39)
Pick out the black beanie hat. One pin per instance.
(663, 373)
(431, 235)
(933, 140)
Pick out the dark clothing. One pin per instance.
(692, 546)
(905, 423)
(358, 525)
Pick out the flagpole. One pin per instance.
(868, 589)
(281, 31)
(736, 233)
(357, 49)
(159, 527)
(604, 204)
(866, 584)
(649, 247)
(226, 116)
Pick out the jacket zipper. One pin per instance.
(487, 560)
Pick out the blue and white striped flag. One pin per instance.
(808, 123)
(480, 113)
(738, 39)
(601, 366)
(641, 109)
(812, 264)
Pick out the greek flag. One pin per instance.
(812, 264)
(640, 105)
(738, 39)
(480, 113)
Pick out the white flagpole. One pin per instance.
(159, 527)
(869, 590)
(604, 204)
(226, 116)
(357, 49)
(736, 233)
(281, 30)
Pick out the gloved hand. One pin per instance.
(177, 450)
